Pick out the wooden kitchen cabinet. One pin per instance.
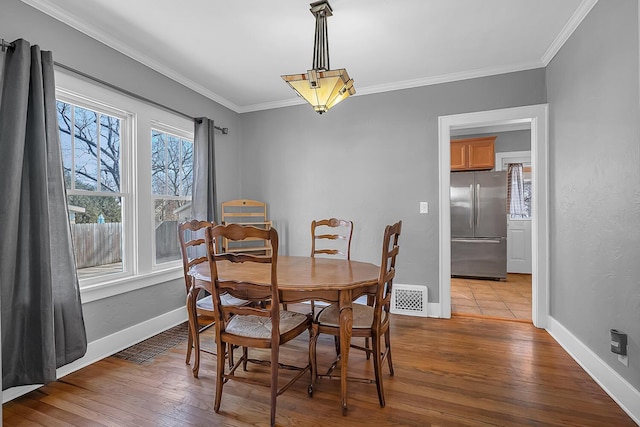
(473, 153)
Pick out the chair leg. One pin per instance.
(377, 366)
(387, 341)
(231, 358)
(313, 361)
(220, 374)
(366, 345)
(245, 357)
(189, 342)
(370, 302)
(274, 382)
(194, 331)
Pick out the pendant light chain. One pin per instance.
(321, 43)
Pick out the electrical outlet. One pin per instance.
(424, 207)
(624, 360)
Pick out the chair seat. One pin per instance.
(206, 303)
(362, 316)
(251, 326)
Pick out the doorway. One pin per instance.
(536, 116)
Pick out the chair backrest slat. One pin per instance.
(319, 232)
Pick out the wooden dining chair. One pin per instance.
(255, 326)
(332, 238)
(368, 321)
(324, 232)
(194, 252)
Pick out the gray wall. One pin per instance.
(594, 161)
(371, 159)
(518, 140)
(72, 48)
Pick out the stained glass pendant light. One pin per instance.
(321, 87)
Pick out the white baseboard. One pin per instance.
(623, 393)
(103, 347)
(434, 310)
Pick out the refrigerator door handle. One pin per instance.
(473, 207)
(476, 240)
(477, 204)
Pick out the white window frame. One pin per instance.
(126, 143)
(139, 266)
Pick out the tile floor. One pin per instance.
(510, 299)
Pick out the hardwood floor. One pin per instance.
(459, 372)
(510, 299)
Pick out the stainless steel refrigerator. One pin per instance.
(479, 224)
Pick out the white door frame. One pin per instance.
(537, 117)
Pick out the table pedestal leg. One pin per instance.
(346, 324)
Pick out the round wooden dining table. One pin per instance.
(304, 278)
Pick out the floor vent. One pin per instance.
(409, 299)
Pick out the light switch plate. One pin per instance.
(424, 207)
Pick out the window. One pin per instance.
(518, 166)
(125, 163)
(171, 182)
(519, 191)
(91, 142)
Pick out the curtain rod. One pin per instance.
(8, 45)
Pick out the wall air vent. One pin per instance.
(409, 299)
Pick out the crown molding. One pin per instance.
(447, 78)
(73, 21)
(271, 105)
(406, 84)
(581, 12)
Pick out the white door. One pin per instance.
(519, 246)
(518, 230)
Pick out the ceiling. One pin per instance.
(235, 51)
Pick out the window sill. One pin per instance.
(127, 284)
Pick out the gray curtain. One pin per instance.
(204, 198)
(42, 322)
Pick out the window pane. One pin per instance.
(172, 175)
(167, 215)
(109, 153)
(86, 149)
(187, 167)
(527, 198)
(96, 227)
(64, 124)
(158, 166)
(173, 166)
